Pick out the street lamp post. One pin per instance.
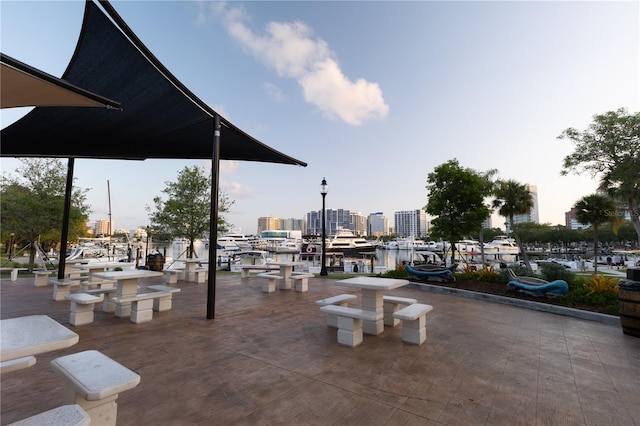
(323, 190)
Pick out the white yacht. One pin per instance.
(344, 241)
(235, 241)
(502, 245)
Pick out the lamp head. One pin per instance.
(324, 188)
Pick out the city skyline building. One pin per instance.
(104, 227)
(411, 223)
(377, 224)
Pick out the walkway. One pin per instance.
(270, 359)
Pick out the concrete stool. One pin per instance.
(163, 303)
(414, 323)
(62, 288)
(41, 278)
(339, 300)
(93, 381)
(392, 305)
(82, 305)
(350, 323)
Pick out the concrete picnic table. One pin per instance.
(127, 285)
(25, 337)
(190, 267)
(286, 268)
(372, 289)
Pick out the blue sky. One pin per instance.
(372, 95)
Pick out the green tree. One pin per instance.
(595, 209)
(32, 204)
(186, 211)
(609, 149)
(513, 198)
(456, 201)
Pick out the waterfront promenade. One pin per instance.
(270, 359)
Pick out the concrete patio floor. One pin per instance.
(270, 359)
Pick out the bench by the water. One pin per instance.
(245, 270)
(300, 281)
(142, 304)
(338, 300)
(163, 303)
(13, 272)
(350, 323)
(272, 278)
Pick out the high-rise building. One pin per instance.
(411, 223)
(377, 225)
(336, 219)
(268, 223)
(272, 223)
(358, 223)
(532, 215)
(104, 227)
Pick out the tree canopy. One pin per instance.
(186, 211)
(609, 149)
(456, 200)
(595, 209)
(513, 198)
(32, 204)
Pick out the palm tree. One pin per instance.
(513, 198)
(595, 209)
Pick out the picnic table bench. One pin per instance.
(13, 272)
(245, 270)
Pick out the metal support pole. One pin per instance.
(213, 221)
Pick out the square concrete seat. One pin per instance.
(391, 304)
(272, 278)
(93, 381)
(338, 300)
(414, 322)
(163, 303)
(82, 307)
(62, 288)
(41, 278)
(301, 281)
(350, 323)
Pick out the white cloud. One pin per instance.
(289, 49)
(236, 190)
(273, 91)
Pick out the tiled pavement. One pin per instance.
(270, 359)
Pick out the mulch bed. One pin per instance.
(501, 289)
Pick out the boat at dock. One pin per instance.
(346, 242)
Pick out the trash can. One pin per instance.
(629, 299)
(155, 262)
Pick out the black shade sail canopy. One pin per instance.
(160, 117)
(24, 86)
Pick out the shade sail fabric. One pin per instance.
(160, 118)
(25, 86)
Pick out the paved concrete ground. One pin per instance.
(270, 359)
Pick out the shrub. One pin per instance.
(601, 284)
(522, 271)
(398, 273)
(487, 274)
(553, 271)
